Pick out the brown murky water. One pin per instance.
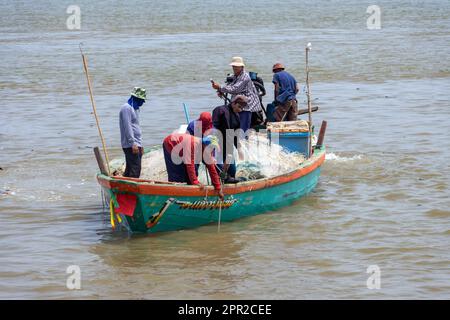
(383, 198)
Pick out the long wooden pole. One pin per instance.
(86, 71)
(308, 93)
(303, 111)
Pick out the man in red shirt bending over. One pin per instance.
(183, 154)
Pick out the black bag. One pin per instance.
(259, 84)
(257, 118)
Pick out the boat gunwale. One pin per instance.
(150, 187)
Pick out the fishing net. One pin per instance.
(261, 159)
(264, 159)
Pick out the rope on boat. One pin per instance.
(103, 199)
(220, 216)
(220, 207)
(112, 213)
(205, 204)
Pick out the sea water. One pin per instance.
(382, 199)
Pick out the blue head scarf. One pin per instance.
(136, 103)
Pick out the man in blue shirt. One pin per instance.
(130, 132)
(286, 88)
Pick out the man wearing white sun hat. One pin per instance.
(242, 84)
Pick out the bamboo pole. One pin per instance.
(308, 93)
(86, 71)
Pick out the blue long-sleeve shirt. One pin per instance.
(130, 131)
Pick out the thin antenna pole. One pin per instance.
(308, 94)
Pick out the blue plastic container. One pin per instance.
(293, 141)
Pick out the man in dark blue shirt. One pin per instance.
(286, 88)
(226, 120)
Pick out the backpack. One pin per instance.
(258, 117)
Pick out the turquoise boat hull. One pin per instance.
(188, 207)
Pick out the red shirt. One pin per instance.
(184, 141)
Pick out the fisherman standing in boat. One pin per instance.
(286, 89)
(130, 132)
(242, 84)
(183, 154)
(226, 121)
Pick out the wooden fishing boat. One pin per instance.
(147, 206)
(151, 206)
